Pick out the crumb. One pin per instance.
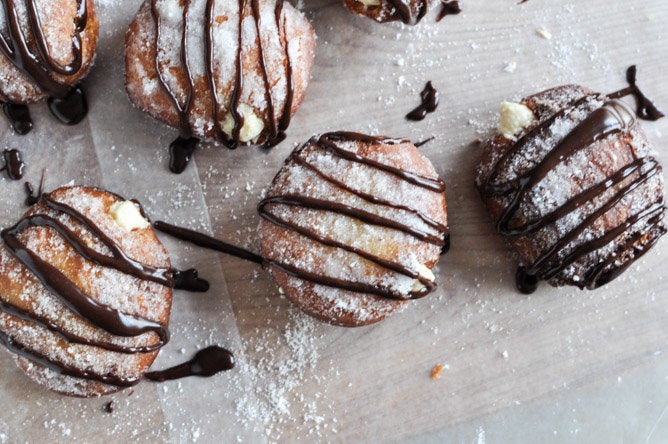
(544, 33)
(436, 372)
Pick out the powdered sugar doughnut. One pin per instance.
(352, 227)
(572, 186)
(234, 71)
(85, 292)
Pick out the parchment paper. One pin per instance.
(556, 366)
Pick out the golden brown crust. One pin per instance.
(57, 20)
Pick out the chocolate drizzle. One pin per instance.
(437, 234)
(102, 316)
(182, 148)
(30, 54)
(13, 164)
(207, 362)
(645, 110)
(429, 97)
(612, 118)
(448, 8)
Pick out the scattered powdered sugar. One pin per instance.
(283, 365)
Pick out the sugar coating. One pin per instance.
(109, 287)
(586, 168)
(289, 247)
(58, 33)
(229, 35)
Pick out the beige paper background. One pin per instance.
(580, 366)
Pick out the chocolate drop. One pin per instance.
(448, 8)
(429, 97)
(13, 164)
(70, 109)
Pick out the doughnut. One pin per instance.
(46, 48)
(229, 71)
(572, 185)
(85, 292)
(352, 227)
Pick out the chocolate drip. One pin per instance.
(13, 164)
(429, 97)
(70, 109)
(190, 280)
(19, 117)
(646, 109)
(612, 118)
(446, 245)
(207, 362)
(408, 11)
(449, 8)
(180, 153)
(183, 147)
(30, 54)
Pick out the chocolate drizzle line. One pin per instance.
(327, 142)
(645, 110)
(13, 164)
(448, 8)
(30, 54)
(182, 148)
(429, 97)
(612, 118)
(207, 362)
